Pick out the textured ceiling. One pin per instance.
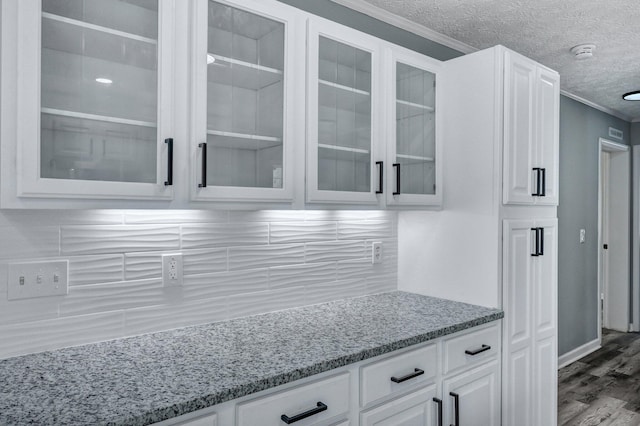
(545, 30)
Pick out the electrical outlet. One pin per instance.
(38, 279)
(583, 234)
(376, 252)
(172, 269)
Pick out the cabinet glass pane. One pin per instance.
(99, 86)
(415, 129)
(344, 121)
(245, 98)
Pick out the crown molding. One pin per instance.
(594, 105)
(405, 24)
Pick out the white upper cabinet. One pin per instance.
(413, 140)
(244, 101)
(531, 129)
(343, 110)
(92, 100)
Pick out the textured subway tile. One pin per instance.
(59, 217)
(242, 305)
(224, 283)
(334, 251)
(113, 296)
(357, 269)
(165, 317)
(361, 230)
(175, 216)
(267, 216)
(224, 234)
(382, 283)
(95, 269)
(251, 257)
(355, 215)
(300, 232)
(297, 275)
(140, 266)
(24, 310)
(204, 261)
(37, 336)
(25, 241)
(326, 292)
(118, 238)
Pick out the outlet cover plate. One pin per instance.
(28, 280)
(172, 269)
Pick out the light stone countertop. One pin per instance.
(145, 379)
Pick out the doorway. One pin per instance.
(614, 237)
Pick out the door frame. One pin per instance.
(635, 250)
(606, 145)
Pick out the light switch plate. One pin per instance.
(38, 279)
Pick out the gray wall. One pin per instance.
(635, 133)
(580, 130)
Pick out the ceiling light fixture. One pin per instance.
(632, 96)
(103, 80)
(210, 58)
(583, 51)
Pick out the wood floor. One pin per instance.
(603, 388)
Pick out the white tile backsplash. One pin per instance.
(235, 264)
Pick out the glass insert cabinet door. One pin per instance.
(414, 175)
(342, 106)
(103, 126)
(243, 69)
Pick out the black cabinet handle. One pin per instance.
(203, 183)
(397, 167)
(380, 165)
(319, 409)
(537, 170)
(417, 372)
(169, 180)
(536, 251)
(456, 408)
(482, 348)
(541, 253)
(543, 185)
(439, 402)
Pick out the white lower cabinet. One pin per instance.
(474, 397)
(416, 409)
(409, 387)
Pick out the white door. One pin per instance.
(413, 167)
(344, 115)
(473, 398)
(521, 245)
(419, 408)
(615, 234)
(245, 100)
(94, 99)
(547, 135)
(520, 179)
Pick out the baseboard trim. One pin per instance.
(579, 352)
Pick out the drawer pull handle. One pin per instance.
(456, 408)
(439, 402)
(319, 409)
(483, 348)
(417, 372)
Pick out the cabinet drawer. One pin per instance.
(210, 420)
(471, 348)
(332, 392)
(376, 379)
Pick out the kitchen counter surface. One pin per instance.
(149, 378)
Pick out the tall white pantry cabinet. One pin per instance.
(495, 241)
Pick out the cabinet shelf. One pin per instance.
(237, 73)
(417, 158)
(97, 117)
(415, 105)
(344, 88)
(106, 30)
(243, 140)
